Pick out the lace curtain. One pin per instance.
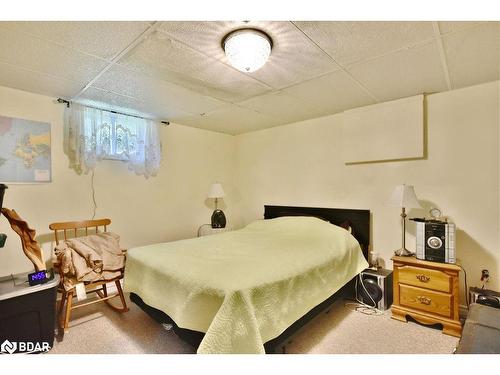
(91, 135)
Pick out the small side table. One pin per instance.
(207, 230)
(28, 313)
(428, 292)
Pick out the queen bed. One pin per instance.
(248, 290)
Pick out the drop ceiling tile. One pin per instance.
(349, 42)
(282, 106)
(109, 100)
(204, 36)
(38, 55)
(331, 93)
(27, 80)
(99, 38)
(113, 101)
(473, 55)
(162, 57)
(294, 57)
(232, 119)
(163, 111)
(125, 82)
(452, 26)
(157, 92)
(405, 73)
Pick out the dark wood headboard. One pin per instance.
(359, 219)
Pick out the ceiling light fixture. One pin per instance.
(247, 49)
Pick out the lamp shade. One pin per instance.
(216, 191)
(404, 196)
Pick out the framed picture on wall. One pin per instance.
(25, 151)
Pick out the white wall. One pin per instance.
(295, 164)
(300, 164)
(167, 207)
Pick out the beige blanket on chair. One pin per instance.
(90, 258)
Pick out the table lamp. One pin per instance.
(218, 217)
(404, 197)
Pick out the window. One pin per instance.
(92, 134)
(118, 136)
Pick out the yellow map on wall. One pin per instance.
(25, 154)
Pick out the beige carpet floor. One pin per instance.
(98, 329)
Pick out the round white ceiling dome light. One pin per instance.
(247, 49)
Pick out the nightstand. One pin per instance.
(207, 230)
(428, 292)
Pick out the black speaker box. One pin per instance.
(377, 287)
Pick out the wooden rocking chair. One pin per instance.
(98, 287)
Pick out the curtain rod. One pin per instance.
(68, 103)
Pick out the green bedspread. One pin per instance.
(245, 287)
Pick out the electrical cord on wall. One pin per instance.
(202, 226)
(362, 307)
(466, 288)
(93, 194)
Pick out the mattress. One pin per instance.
(245, 287)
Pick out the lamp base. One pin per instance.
(403, 253)
(218, 219)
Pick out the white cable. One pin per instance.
(466, 287)
(202, 226)
(362, 307)
(373, 309)
(93, 194)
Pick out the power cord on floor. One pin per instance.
(360, 306)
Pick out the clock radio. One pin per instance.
(37, 278)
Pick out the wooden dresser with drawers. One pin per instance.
(428, 292)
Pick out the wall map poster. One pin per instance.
(25, 155)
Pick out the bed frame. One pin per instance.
(359, 221)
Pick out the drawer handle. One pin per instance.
(424, 300)
(423, 278)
